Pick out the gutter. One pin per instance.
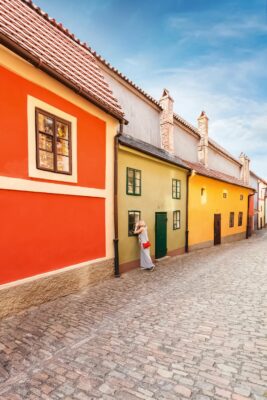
(115, 203)
(155, 155)
(187, 212)
(38, 63)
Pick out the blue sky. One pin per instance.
(210, 54)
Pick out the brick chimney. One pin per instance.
(166, 122)
(244, 173)
(203, 146)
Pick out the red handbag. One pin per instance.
(146, 245)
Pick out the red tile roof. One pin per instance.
(211, 173)
(28, 27)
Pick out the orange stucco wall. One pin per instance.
(13, 112)
(42, 232)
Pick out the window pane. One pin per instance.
(62, 130)
(45, 142)
(137, 190)
(137, 175)
(130, 189)
(136, 217)
(45, 124)
(63, 163)
(62, 147)
(46, 160)
(130, 173)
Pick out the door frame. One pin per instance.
(214, 231)
(156, 244)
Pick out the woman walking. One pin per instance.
(145, 259)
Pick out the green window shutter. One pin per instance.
(176, 219)
(133, 181)
(176, 189)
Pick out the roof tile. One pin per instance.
(211, 173)
(34, 31)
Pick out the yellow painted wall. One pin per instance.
(156, 196)
(202, 208)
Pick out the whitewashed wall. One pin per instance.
(185, 144)
(144, 119)
(220, 163)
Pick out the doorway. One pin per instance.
(161, 234)
(217, 229)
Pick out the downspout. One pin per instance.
(115, 202)
(186, 213)
(247, 231)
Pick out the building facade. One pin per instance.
(56, 162)
(152, 186)
(216, 172)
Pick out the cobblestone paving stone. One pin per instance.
(195, 328)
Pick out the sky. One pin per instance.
(210, 54)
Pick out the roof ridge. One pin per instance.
(71, 35)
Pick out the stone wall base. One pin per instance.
(14, 298)
(224, 239)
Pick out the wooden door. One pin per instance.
(161, 234)
(217, 229)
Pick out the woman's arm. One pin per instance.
(138, 230)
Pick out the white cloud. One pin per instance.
(238, 121)
(211, 26)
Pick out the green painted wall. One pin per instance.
(156, 196)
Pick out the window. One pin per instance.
(232, 220)
(240, 219)
(176, 189)
(133, 217)
(176, 219)
(225, 195)
(53, 143)
(241, 197)
(133, 184)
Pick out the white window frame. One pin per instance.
(33, 171)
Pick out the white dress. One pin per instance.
(145, 259)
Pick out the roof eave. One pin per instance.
(131, 146)
(37, 62)
(224, 180)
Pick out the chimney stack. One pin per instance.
(203, 127)
(244, 173)
(166, 122)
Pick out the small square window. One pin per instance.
(53, 143)
(176, 189)
(232, 220)
(133, 182)
(176, 219)
(241, 197)
(240, 219)
(133, 217)
(225, 195)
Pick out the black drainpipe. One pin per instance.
(186, 215)
(248, 222)
(116, 230)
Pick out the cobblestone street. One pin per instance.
(195, 328)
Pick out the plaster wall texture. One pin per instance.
(254, 183)
(185, 144)
(220, 163)
(261, 206)
(206, 199)
(144, 119)
(156, 189)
